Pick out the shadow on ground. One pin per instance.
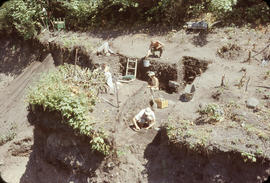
(175, 166)
(58, 155)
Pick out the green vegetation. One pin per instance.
(248, 157)
(72, 92)
(222, 6)
(212, 112)
(267, 75)
(72, 41)
(186, 133)
(21, 17)
(26, 18)
(10, 135)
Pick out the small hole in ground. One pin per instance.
(193, 67)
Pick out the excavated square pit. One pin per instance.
(182, 72)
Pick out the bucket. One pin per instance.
(146, 63)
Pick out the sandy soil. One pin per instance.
(135, 96)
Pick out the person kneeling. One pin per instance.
(155, 46)
(144, 119)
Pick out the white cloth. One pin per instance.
(264, 62)
(141, 117)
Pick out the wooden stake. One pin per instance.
(249, 56)
(117, 97)
(222, 80)
(261, 50)
(242, 80)
(75, 61)
(247, 84)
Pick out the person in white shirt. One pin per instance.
(144, 119)
(108, 78)
(104, 49)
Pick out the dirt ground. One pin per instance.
(134, 166)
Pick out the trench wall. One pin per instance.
(61, 147)
(214, 164)
(183, 72)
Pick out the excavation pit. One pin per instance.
(166, 73)
(193, 68)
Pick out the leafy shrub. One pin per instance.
(222, 6)
(23, 16)
(90, 13)
(3, 24)
(213, 112)
(73, 95)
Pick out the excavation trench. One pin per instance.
(65, 156)
(172, 76)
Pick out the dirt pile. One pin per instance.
(229, 51)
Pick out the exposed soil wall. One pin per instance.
(60, 146)
(192, 68)
(64, 55)
(183, 72)
(15, 55)
(165, 72)
(214, 165)
(171, 163)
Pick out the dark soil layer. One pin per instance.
(211, 164)
(193, 67)
(164, 71)
(16, 51)
(61, 147)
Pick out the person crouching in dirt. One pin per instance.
(154, 85)
(155, 46)
(144, 119)
(104, 49)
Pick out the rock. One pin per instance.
(252, 103)
(110, 165)
(186, 97)
(174, 86)
(202, 105)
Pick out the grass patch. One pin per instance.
(212, 113)
(186, 133)
(249, 141)
(73, 92)
(71, 41)
(10, 135)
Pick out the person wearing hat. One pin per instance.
(154, 85)
(144, 119)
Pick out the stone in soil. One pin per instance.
(252, 103)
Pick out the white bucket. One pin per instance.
(146, 63)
